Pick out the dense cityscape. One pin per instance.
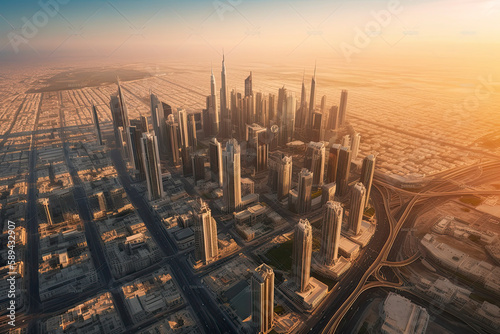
(245, 190)
(261, 212)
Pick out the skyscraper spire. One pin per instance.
(224, 110)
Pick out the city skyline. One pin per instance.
(249, 166)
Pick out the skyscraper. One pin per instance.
(332, 123)
(330, 232)
(284, 176)
(232, 175)
(343, 170)
(280, 174)
(346, 141)
(333, 157)
(287, 105)
(158, 119)
(343, 107)
(272, 108)
(191, 125)
(367, 171)
(262, 298)
(257, 148)
(301, 255)
(213, 108)
(116, 114)
(152, 167)
(304, 191)
(95, 120)
(315, 129)
(224, 110)
(215, 155)
(183, 127)
(144, 125)
(205, 233)
(248, 85)
(172, 133)
(52, 174)
(357, 207)
(126, 125)
(323, 104)
(315, 161)
(135, 138)
(312, 99)
(328, 192)
(355, 142)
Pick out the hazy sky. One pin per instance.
(258, 30)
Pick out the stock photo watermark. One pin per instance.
(31, 27)
(225, 6)
(11, 280)
(363, 36)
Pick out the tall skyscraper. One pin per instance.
(355, 142)
(232, 175)
(191, 125)
(183, 127)
(333, 157)
(257, 148)
(367, 171)
(248, 85)
(343, 170)
(126, 125)
(315, 130)
(315, 161)
(357, 207)
(152, 167)
(284, 176)
(116, 114)
(158, 120)
(172, 134)
(301, 254)
(97, 127)
(332, 123)
(215, 154)
(135, 137)
(262, 298)
(330, 232)
(205, 233)
(287, 105)
(304, 191)
(323, 104)
(213, 108)
(343, 107)
(224, 109)
(280, 174)
(45, 204)
(312, 99)
(272, 108)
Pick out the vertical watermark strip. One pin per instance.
(11, 262)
